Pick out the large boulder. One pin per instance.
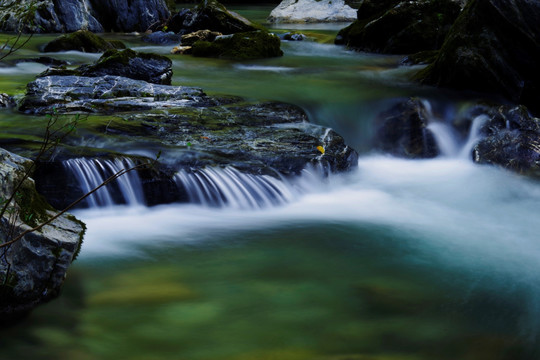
(55, 16)
(148, 67)
(210, 15)
(493, 47)
(240, 46)
(82, 40)
(402, 131)
(299, 11)
(33, 268)
(400, 27)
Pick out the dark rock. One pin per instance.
(402, 131)
(420, 58)
(55, 16)
(494, 48)
(162, 38)
(240, 46)
(293, 36)
(127, 63)
(33, 268)
(6, 101)
(82, 40)
(201, 35)
(108, 93)
(211, 15)
(511, 139)
(403, 27)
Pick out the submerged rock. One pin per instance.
(400, 27)
(82, 40)
(32, 269)
(402, 131)
(298, 11)
(211, 15)
(240, 46)
(56, 16)
(494, 48)
(162, 38)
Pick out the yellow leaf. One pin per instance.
(321, 149)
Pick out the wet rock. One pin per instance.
(148, 67)
(6, 101)
(511, 139)
(211, 15)
(300, 11)
(240, 46)
(400, 27)
(82, 40)
(32, 269)
(56, 16)
(44, 60)
(162, 38)
(293, 36)
(493, 48)
(402, 131)
(201, 35)
(107, 93)
(182, 50)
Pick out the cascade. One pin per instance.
(474, 135)
(90, 173)
(216, 187)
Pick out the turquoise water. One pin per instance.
(397, 260)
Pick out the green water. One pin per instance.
(400, 260)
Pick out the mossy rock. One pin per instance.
(82, 40)
(241, 46)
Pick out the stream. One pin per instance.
(395, 260)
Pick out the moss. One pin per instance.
(82, 40)
(240, 46)
(33, 207)
(81, 234)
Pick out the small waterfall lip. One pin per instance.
(474, 135)
(229, 187)
(90, 173)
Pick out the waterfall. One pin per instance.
(474, 135)
(216, 187)
(445, 138)
(90, 173)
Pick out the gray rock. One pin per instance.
(55, 16)
(32, 269)
(162, 38)
(5, 101)
(104, 94)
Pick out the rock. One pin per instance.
(32, 269)
(6, 101)
(299, 11)
(211, 15)
(261, 139)
(107, 93)
(201, 35)
(127, 63)
(240, 46)
(293, 36)
(402, 131)
(420, 58)
(82, 40)
(493, 47)
(162, 38)
(182, 50)
(56, 16)
(511, 139)
(405, 27)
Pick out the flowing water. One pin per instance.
(396, 260)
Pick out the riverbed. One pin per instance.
(395, 260)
